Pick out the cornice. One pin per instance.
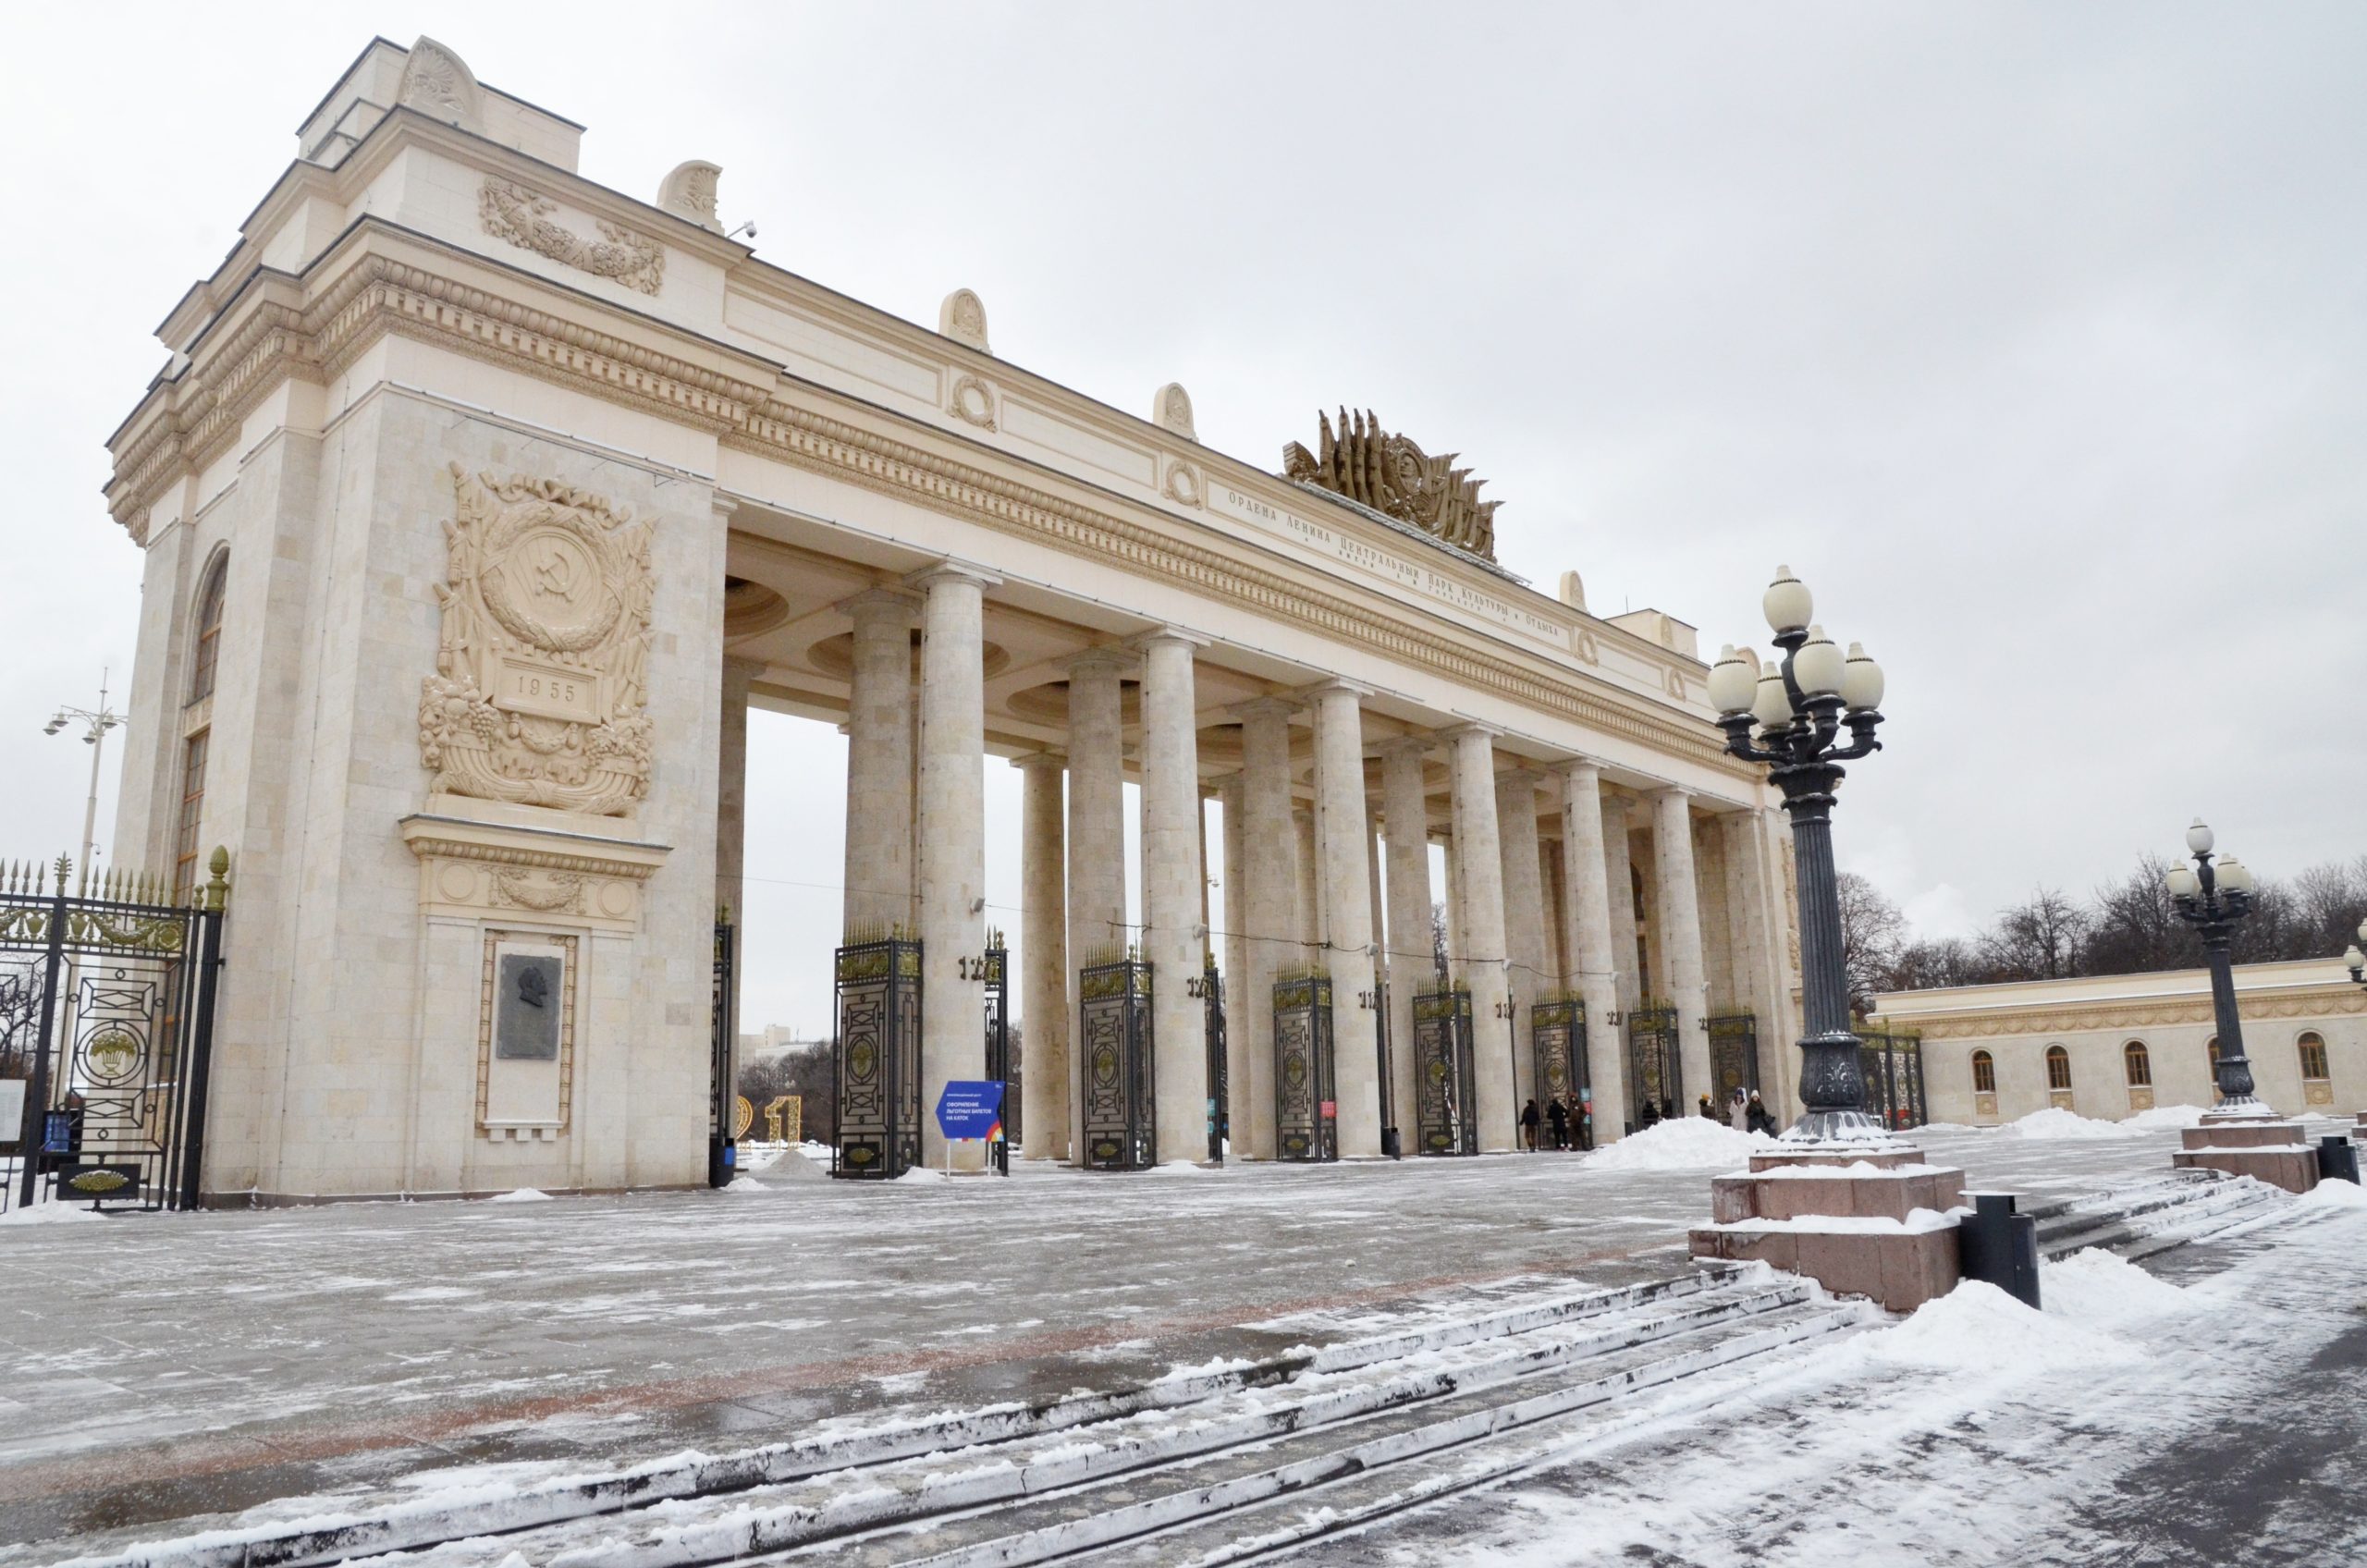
(189, 422)
(2328, 1001)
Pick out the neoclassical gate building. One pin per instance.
(480, 503)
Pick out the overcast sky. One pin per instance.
(2033, 338)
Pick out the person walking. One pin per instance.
(1648, 1117)
(1758, 1119)
(1586, 1119)
(1738, 1112)
(1528, 1126)
(1558, 1116)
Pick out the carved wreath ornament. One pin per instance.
(538, 689)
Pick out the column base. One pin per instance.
(2267, 1149)
(1874, 1222)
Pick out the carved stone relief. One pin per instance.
(510, 212)
(1183, 485)
(688, 191)
(538, 689)
(1170, 409)
(962, 317)
(437, 82)
(1388, 473)
(972, 401)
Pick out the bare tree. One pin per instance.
(2133, 925)
(2039, 939)
(1438, 939)
(1872, 931)
(1926, 962)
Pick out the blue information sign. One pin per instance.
(968, 1110)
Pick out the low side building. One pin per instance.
(2110, 1045)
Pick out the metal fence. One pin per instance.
(106, 1029)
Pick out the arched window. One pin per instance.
(2058, 1068)
(2140, 1064)
(204, 654)
(1984, 1073)
(207, 649)
(2314, 1056)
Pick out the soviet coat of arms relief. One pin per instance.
(540, 686)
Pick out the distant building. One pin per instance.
(2112, 1045)
(776, 1039)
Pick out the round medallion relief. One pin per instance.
(455, 883)
(545, 580)
(615, 900)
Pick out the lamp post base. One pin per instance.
(2265, 1148)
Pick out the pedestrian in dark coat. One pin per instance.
(1559, 1115)
(1528, 1125)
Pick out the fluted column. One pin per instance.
(1269, 880)
(1171, 935)
(1585, 876)
(1345, 853)
(879, 880)
(1044, 941)
(1479, 926)
(1525, 916)
(1097, 835)
(954, 848)
(1680, 917)
(1406, 814)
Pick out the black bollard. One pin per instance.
(2337, 1158)
(1999, 1247)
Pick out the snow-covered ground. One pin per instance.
(178, 1370)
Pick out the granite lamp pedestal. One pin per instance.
(1860, 1218)
(2268, 1148)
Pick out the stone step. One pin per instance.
(1181, 1512)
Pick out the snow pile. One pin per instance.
(796, 1165)
(2325, 1194)
(49, 1213)
(744, 1185)
(1978, 1329)
(2104, 1289)
(1948, 1127)
(2166, 1118)
(522, 1194)
(2054, 1122)
(1686, 1143)
(1179, 1168)
(921, 1175)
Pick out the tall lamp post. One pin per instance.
(2211, 898)
(95, 735)
(1798, 710)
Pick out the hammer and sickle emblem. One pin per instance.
(555, 573)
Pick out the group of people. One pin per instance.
(1566, 1122)
(1745, 1112)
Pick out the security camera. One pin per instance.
(748, 228)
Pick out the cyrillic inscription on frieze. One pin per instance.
(539, 692)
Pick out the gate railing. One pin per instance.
(723, 1096)
(106, 1028)
(1557, 1037)
(1893, 1063)
(1307, 1112)
(1445, 1107)
(1114, 1038)
(1003, 1062)
(1734, 1056)
(1211, 993)
(1655, 1072)
(878, 1065)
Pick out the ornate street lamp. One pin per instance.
(96, 725)
(2356, 960)
(2211, 898)
(1798, 711)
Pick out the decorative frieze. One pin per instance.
(2131, 1015)
(476, 870)
(510, 212)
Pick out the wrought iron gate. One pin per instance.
(1115, 1031)
(878, 1058)
(1893, 1063)
(1219, 1069)
(1307, 1112)
(1557, 1034)
(1734, 1056)
(721, 1092)
(1444, 1109)
(106, 1027)
(1002, 1064)
(1654, 1075)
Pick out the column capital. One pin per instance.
(879, 598)
(950, 568)
(1570, 767)
(1259, 708)
(1402, 746)
(1331, 687)
(1470, 729)
(1056, 761)
(1101, 661)
(1659, 793)
(1144, 641)
(721, 505)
